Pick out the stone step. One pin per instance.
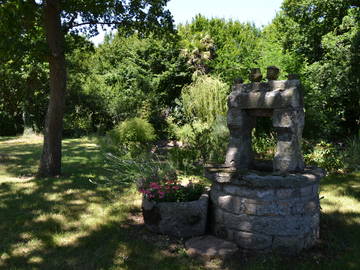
(209, 246)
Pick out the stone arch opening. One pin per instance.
(282, 101)
(263, 140)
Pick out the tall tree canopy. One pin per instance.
(35, 27)
(325, 35)
(226, 48)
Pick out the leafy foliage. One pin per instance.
(131, 137)
(205, 99)
(204, 129)
(225, 48)
(129, 80)
(324, 155)
(325, 35)
(351, 154)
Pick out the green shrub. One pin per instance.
(204, 141)
(205, 99)
(134, 130)
(183, 158)
(77, 123)
(325, 155)
(132, 135)
(128, 170)
(203, 129)
(264, 145)
(351, 154)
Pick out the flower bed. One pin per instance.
(173, 209)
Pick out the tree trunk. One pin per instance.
(50, 163)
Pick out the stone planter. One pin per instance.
(179, 219)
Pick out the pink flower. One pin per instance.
(154, 185)
(176, 187)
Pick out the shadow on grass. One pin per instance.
(39, 233)
(344, 184)
(69, 222)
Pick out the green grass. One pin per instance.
(72, 223)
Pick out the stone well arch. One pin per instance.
(280, 100)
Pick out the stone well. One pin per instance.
(266, 208)
(265, 212)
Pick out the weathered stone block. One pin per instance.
(288, 245)
(249, 240)
(239, 151)
(307, 191)
(183, 219)
(209, 246)
(261, 194)
(286, 193)
(258, 99)
(230, 203)
(268, 209)
(286, 225)
(307, 207)
(218, 215)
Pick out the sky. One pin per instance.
(260, 12)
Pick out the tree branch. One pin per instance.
(355, 3)
(93, 23)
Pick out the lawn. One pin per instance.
(75, 222)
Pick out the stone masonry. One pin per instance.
(262, 210)
(281, 100)
(266, 212)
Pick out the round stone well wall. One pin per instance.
(266, 212)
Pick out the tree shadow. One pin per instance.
(344, 184)
(41, 231)
(70, 222)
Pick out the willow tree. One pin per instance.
(24, 22)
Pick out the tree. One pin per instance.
(22, 20)
(216, 46)
(305, 22)
(325, 35)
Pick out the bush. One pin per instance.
(132, 135)
(325, 155)
(133, 130)
(205, 99)
(351, 154)
(264, 145)
(203, 129)
(183, 158)
(206, 142)
(130, 170)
